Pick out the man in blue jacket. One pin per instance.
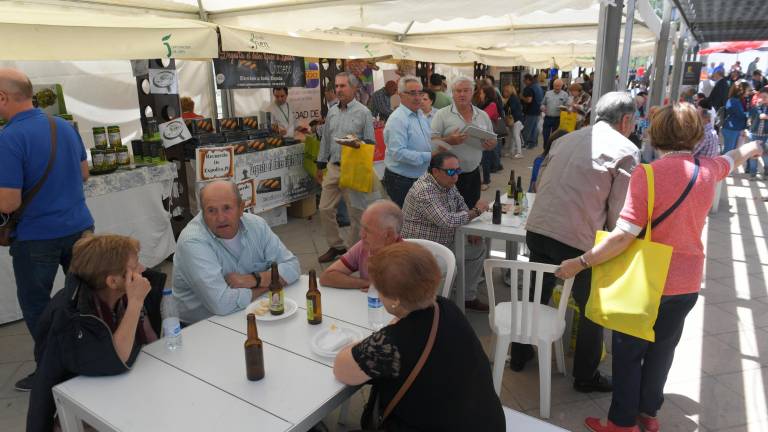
(57, 215)
(223, 257)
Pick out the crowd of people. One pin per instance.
(586, 180)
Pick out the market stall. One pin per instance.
(127, 202)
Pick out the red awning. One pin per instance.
(735, 47)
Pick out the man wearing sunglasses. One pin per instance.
(434, 208)
(408, 139)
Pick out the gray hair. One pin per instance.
(405, 80)
(460, 80)
(230, 183)
(351, 78)
(613, 106)
(389, 214)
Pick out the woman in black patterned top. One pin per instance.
(454, 390)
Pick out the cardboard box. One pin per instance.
(303, 208)
(275, 217)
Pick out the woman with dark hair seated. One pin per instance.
(453, 391)
(95, 326)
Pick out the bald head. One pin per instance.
(387, 213)
(557, 84)
(15, 84)
(220, 189)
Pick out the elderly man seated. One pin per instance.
(380, 227)
(223, 257)
(433, 210)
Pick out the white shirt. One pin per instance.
(282, 115)
(706, 86)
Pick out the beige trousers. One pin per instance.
(329, 200)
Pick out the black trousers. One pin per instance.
(589, 340)
(469, 187)
(640, 368)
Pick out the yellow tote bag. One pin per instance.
(357, 168)
(568, 121)
(626, 291)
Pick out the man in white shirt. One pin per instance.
(281, 112)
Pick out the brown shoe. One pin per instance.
(476, 305)
(331, 255)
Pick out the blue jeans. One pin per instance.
(35, 263)
(640, 367)
(497, 152)
(550, 125)
(531, 131)
(730, 139)
(397, 186)
(487, 164)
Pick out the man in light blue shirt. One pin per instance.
(408, 139)
(223, 257)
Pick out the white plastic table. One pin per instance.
(511, 230)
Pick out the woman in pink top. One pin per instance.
(640, 367)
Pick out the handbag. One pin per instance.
(626, 290)
(357, 168)
(372, 420)
(10, 222)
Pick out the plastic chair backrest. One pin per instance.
(445, 255)
(526, 323)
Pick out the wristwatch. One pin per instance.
(258, 279)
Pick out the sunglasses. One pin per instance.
(451, 171)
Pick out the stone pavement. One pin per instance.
(718, 379)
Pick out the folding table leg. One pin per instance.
(67, 417)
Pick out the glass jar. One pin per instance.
(114, 136)
(100, 137)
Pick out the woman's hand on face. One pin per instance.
(569, 268)
(136, 287)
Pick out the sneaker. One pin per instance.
(25, 384)
(476, 305)
(331, 255)
(518, 156)
(594, 424)
(648, 423)
(598, 383)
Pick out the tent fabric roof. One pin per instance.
(721, 20)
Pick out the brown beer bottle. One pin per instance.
(314, 306)
(276, 294)
(254, 352)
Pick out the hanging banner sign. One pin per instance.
(242, 70)
(278, 175)
(174, 132)
(163, 81)
(213, 163)
(692, 73)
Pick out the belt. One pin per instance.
(387, 171)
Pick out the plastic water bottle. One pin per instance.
(171, 324)
(376, 317)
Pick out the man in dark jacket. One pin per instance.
(720, 91)
(95, 326)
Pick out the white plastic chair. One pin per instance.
(446, 255)
(527, 322)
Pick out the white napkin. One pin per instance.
(333, 340)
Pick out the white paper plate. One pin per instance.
(354, 333)
(290, 309)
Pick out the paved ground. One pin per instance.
(719, 376)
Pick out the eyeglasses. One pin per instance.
(414, 93)
(451, 171)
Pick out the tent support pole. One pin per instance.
(608, 34)
(211, 73)
(624, 68)
(661, 57)
(677, 67)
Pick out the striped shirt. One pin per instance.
(709, 146)
(432, 212)
(353, 119)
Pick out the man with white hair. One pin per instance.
(408, 139)
(448, 125)
(582, 186)
(553, 100)
(348, 117)
(381, 224)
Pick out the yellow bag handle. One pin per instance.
(651, 196)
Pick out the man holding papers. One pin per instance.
(449, 126)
